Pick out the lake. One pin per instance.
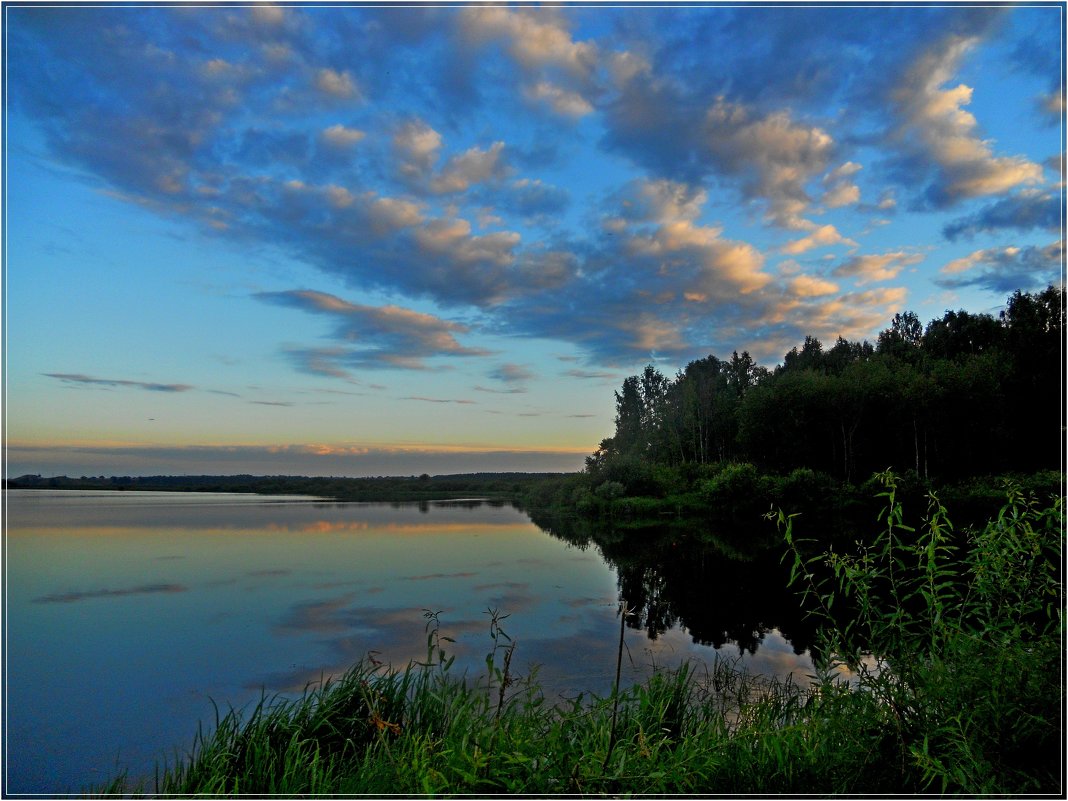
(129, 614)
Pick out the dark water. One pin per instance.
(128, 613)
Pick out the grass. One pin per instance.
(952, 642)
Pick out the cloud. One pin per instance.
(399, 247)
(772, 155)
(591, 374)
(1005, 269)
(453, 185)
(79, 378)
(877, 267)
(824, 236)
(1024, 211)
(562, 101)
(263, 148)
(807, 286)
(775, 154)
(669, 252)
(268, 15)
(342, 137)
(533, 198)
(470, 167)
(417, 146)
(512, 373)
(939, 139)
(654, 283)
(437, 400)
(536, 41)
(1051, 105)
(389, 336)
(1039, 54)
(840, 188)
(339, 85)
(320, 361)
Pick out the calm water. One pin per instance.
(128, 613)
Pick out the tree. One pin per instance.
(743, 372)
(655, 432)
(960, 334)
(629, 411)
(810, 357)
(903, 337)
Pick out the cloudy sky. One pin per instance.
(361, 241)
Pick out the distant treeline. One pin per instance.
(968, 394)
(382, 488)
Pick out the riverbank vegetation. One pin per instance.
(951, 407)
(942, 657)
(493, 486)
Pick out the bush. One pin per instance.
(668, 480)
(809, 490)
(952, 641)
(738, 491)
(636, 475)
(610, 490)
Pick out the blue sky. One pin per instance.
(361, 241)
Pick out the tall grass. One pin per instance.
(951, 645)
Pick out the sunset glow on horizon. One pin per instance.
(359, 241)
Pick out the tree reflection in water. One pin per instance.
(721, 587)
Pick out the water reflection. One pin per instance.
(721, 588)
(139, 609)
(71, 597)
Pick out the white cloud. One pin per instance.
(840, 189)
(824, 236)
(536, 38)
(336, 84)
(696, 260)
(935, 129)
(778, 156)
(877, 267)
(470, 167)
(340, 136)
(269, 15)
(808, 286)
(417, 146)
(560, 100)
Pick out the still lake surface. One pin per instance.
(128, 614)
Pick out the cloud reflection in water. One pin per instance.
(72, 597)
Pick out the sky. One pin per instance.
(346, 240)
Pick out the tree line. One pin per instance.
(968, 394)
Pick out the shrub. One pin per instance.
(952, 641)
(738, 490)
(609, 490)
